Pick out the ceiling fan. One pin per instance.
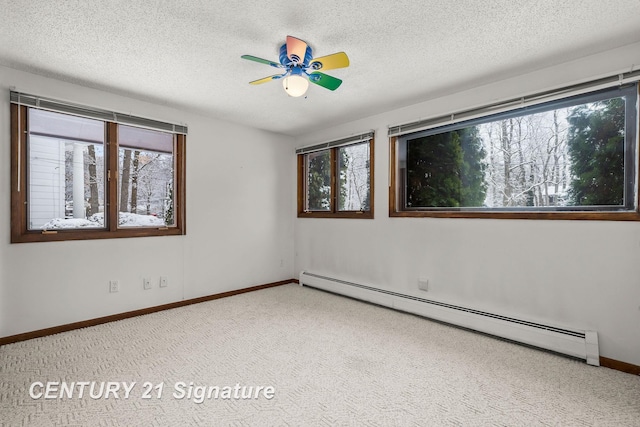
(300, 68)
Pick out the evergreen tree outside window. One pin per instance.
(318, 166)
(446, 170)
(570, 158)
(596, 144)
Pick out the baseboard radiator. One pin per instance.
(574, 343)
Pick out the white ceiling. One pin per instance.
(186, 53)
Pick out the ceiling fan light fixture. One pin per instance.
(295, 85)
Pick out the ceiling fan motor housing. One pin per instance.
(295, 60)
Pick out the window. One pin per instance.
(76, 175)
(573, 158)
(336, 179)
(145, 172)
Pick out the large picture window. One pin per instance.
(575, 157)
(79, 177)
(336, 180)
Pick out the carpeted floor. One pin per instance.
(330, 360)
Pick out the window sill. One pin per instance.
(63, 235)
(353, 215)
(585, 216)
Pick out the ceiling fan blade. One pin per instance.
(266, 79)
(296, 49)
(262, 61)
(325, 80)
(330, 62)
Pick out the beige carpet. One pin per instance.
(331, 361)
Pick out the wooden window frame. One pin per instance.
(395, 206)
(333, 211)
(19, 198)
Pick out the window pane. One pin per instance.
(66, 183)
(318, 169)
(569, 158)
(354, 178)
(146, 172)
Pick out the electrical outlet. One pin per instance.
(146, 283)
(423, 283)
(114, 286)
(164, 282)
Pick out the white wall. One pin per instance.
(239, 224)
(580, 274)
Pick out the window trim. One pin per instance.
(334, 212)
(395, 209)
(19, 210)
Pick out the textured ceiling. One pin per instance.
(186, 53)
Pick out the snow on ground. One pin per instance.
(62, 223)
(125, 219)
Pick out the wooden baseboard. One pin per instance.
(100, 320)
(620, 366)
